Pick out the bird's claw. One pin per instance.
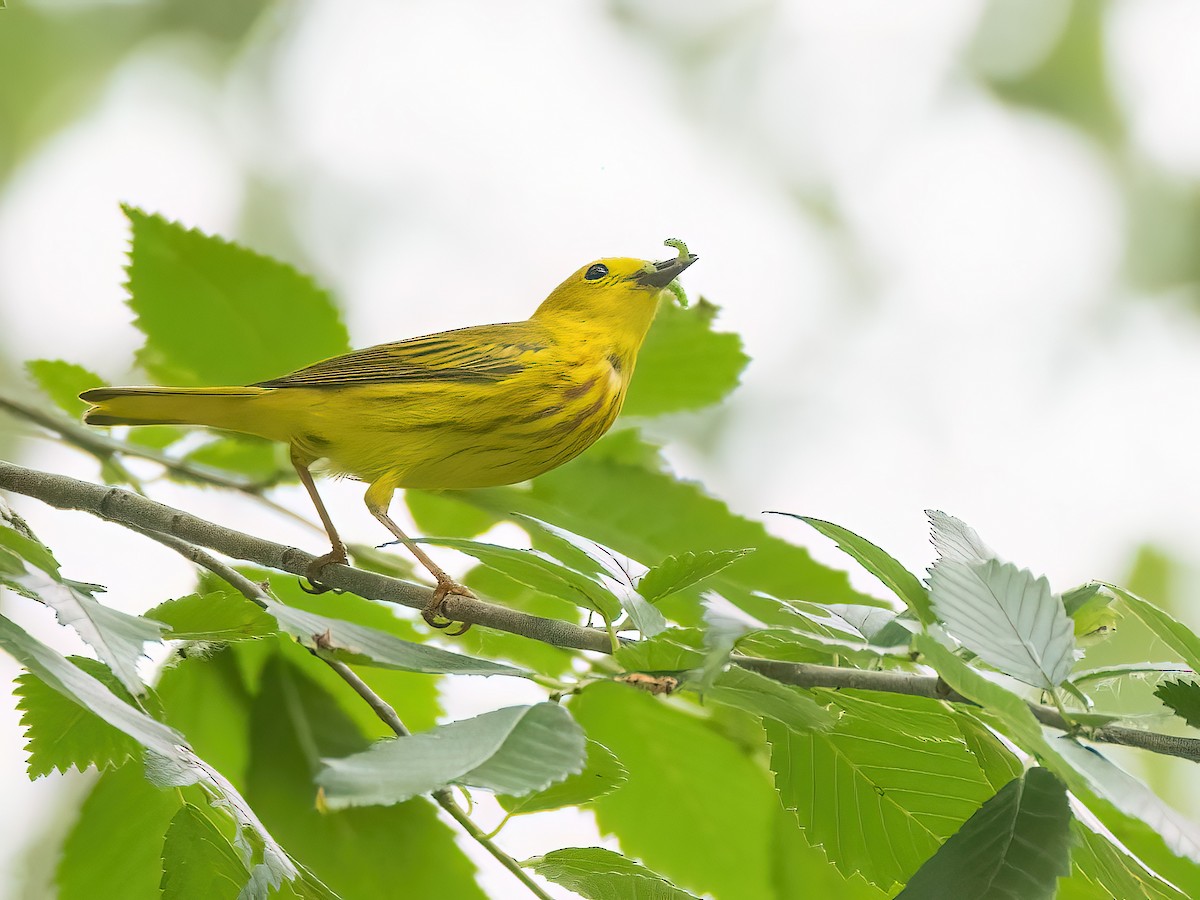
(433, 612)
(309, 583)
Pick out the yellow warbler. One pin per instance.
(474, 407)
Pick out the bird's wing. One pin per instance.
(482, 353)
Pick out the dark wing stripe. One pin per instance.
(479, 355)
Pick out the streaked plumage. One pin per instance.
(474, 407)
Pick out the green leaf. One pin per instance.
(718, 839)
(1091, 609)
(216, 616)
(1111, 871)
(603, 565)
(999, 764)
(170, 761)
(118, 638)
(446, 514)
(862, 790)
(114, 848)
(675, 573)
(294, 720)
(1063, 756)
(1173, 633)
(217, 313)
(198, 860)
(602, 774)
(1072, 80)
(515, 750)
(1004, 614)
(264, 461)
(28, 549)
(674, 650)
(1183, 697)
(63, 382)
(369, 646)
(683, 363)
(1017, 844)
(1128, 670)
(598, 874)
(1133, 798)
(879, 563)
(761, 696)
(61, 734)
(881, 627)
(579, 496)
(540, 572)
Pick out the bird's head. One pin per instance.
(619, 292)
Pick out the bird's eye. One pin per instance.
(599, 270)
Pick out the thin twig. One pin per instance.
(132, 511)
(104, 448)
(384, 710)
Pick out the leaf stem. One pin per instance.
(446, 800)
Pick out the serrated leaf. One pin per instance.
(1007, 617)
(198, 860)
(598, 874)
(683, 570)
(955, 540)
(540, 572)
(863, 791)
(63, 382)
(1016, 845)
(61, 734)
(170, 761)
(1183, 697)
(364, 645)
(510, 751)
(761, 696)
(216, 313)
(1007, 712)
(117, 637)
(602, 774)
(683, 363)
(578, 496)
(215, 616)
(879, 563)
(1170, 631)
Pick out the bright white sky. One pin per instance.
(961, 347)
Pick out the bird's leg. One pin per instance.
(338, 552)
(378, 499)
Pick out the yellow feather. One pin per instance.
(475, 407)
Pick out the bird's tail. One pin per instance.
(220, 407)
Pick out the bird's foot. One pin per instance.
(313, 586)
(434, 614)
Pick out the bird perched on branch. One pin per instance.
(473, 407)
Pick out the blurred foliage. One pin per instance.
(64, 53)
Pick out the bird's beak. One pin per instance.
(660, 274)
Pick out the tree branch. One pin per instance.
(384, 710)
(103, 447)
(136, 512)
